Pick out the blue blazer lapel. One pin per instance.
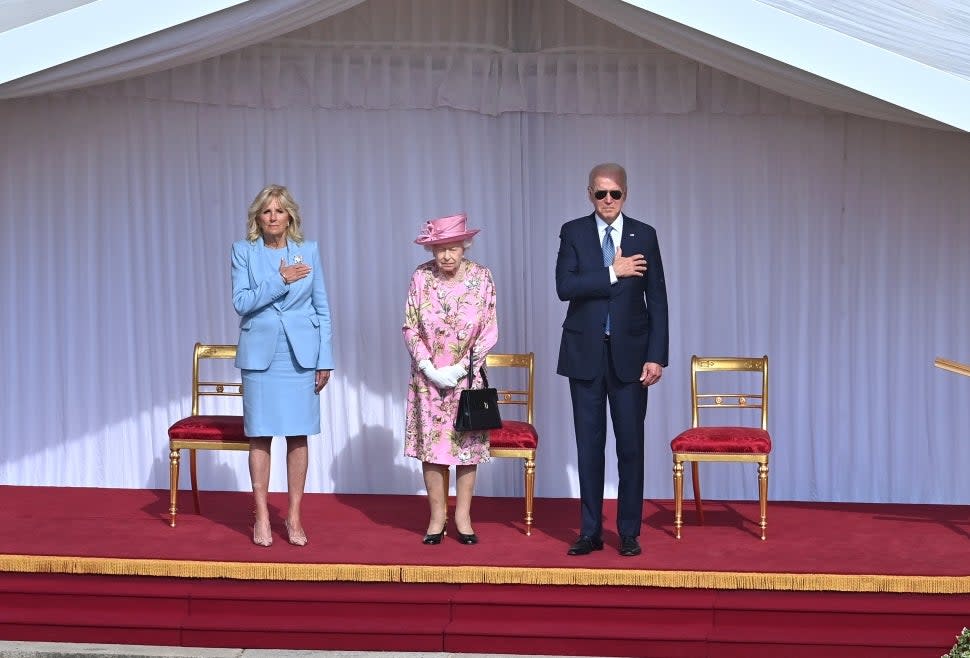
(297, 255)
(264, 265)
(632, 241)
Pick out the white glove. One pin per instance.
(457, 371)
(437, 377)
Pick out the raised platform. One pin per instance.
(98, 565)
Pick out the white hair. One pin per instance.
(466, 245)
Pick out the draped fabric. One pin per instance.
(929, 32)
(499, 53)
(14, 13)
(211, 35)
(836, 244)
(762, 70)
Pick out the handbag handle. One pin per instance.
(471, 366)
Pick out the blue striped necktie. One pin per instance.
(609, 254)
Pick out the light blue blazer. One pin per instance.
(264, 302)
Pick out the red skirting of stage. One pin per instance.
(102, 565)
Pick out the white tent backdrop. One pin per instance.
(865, 58)
(835, 244)
(889, 24)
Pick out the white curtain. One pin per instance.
(933, 32)
(211, 35)
(762, 70)
(835, 244)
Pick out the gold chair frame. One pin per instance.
(522, 398)
(201, 389)
(735, 400)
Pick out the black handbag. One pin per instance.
(477, 407)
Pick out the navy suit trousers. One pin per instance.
(628, 409)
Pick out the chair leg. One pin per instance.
(678, 497)
(695, 481)
(195, 482)
(173, 485)
(763, 498)
(530, 487)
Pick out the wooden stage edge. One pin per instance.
(486, 575)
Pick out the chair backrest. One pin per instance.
(524, 364)
(733, 398)
(216, 388)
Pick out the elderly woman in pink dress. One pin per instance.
(450, 312)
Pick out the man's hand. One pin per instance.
(650, 374)
(625, 266)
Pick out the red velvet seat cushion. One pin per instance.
(209, 428)
(514, 434)
(752, 440)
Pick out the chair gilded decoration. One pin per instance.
(517, 438)
(723, 443)
(204, 432)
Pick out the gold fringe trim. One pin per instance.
(200, 569)
(726, 580)
(469, 574)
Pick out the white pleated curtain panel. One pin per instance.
(836, 243)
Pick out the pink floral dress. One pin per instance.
(442, 319)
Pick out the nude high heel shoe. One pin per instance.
(262, 542)
(295, 538)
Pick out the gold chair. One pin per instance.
(723, 443)
(517, 438)
(204, 432)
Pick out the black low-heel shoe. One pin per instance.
(468, 539)
(433, 538)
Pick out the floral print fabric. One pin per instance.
(443, 319)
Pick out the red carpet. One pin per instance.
(831, 580)
(918, 548)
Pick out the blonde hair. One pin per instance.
(610, 170)
(282, 195)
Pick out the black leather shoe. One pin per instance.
(468, 539)
(585, 545)
(434, 538)
(629, 546)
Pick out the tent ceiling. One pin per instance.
(73, 29)
(940, 43)
(14, 13)
(867, 45)
(801, 48)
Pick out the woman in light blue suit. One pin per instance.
(284, 347)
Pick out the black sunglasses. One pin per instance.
(599, 195)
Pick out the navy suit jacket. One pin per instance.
(264, 302)
(637, 305)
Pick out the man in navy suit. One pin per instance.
(614, 345)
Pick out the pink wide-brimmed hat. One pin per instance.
(443, 230)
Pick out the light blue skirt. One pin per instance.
(280, 401)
